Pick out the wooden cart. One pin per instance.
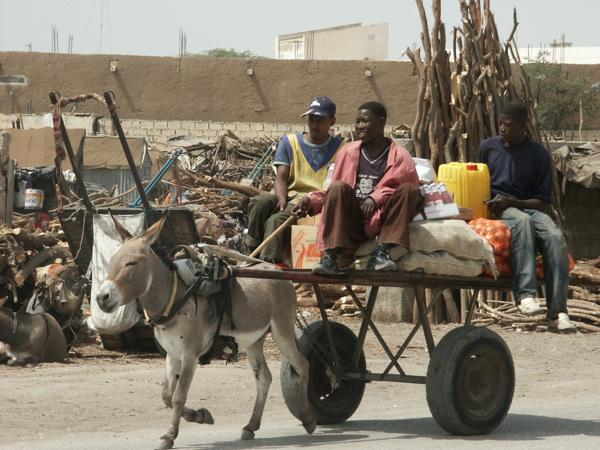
(470, 378)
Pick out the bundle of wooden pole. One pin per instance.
(457, 102)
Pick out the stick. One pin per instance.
(289, 221)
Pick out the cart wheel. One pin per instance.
(331, 403)
(470, 381)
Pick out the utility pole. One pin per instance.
(182, 43)
(561, 46)
(54, 39)
(101, 22)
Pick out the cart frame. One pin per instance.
(418, 281)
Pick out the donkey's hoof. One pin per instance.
(201, 415)
(310, 426)
(165, 443)
(247, 435)
(207, 416)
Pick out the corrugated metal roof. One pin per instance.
(120, 177)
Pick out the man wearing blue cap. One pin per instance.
(301, 161)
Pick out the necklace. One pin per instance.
(381, 155)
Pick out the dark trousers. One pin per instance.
(264, 218)
(344, 224)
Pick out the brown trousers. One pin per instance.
(344, 224)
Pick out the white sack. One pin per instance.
(106, 242)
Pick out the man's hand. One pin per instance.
(368, 208)
(281, 204)
(300, 209)
(281, 188)
(498, 204)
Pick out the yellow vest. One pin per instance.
(303, 178)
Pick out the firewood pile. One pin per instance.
(457, 103)
(229, 158)
(583, 304)
(39, 265)
(216, 179)
(337, 299)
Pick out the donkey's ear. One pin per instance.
(120, 228)
(151, 234)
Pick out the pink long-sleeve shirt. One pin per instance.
(400, 169)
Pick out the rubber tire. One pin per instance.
(471, 355)
(341, 403)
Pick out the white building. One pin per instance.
(561, 55)
(346, 42)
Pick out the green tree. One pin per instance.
(226, 53)
(560, 97)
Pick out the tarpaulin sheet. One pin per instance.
(106, 152)
(580, 165)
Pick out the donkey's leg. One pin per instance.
(256, 359)
(173, 368)
(183, 379)
(201, 415)
(285, 339)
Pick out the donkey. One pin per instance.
(258, 306)
(31, 338)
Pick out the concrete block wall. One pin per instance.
(161, 130)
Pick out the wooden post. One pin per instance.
(464, 305)
(4, 156)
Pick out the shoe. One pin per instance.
(328, 265)
(530, 307)
(563, 324)
(380, 259)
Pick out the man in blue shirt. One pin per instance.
(521, 186)
(302, 161)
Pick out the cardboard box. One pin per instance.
(443, 211)
(305, 253)
(309, 220)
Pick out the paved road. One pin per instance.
(546, 413)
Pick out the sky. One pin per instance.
(151, 27)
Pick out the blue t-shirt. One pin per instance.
(521, 171)
(316, 155)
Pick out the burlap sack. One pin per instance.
(440, 263)
(453, 242)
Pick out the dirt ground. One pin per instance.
(107, 392)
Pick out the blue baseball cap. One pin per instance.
(321, 106)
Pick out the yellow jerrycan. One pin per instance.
(470, 184)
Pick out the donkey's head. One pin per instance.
(130, 269)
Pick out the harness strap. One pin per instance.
(173, 306)
(167, 310)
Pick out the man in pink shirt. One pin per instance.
(374, 191)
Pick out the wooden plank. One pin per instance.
(10, 191)
(375, 278)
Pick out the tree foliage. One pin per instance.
(559, 95)
(226, 53)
